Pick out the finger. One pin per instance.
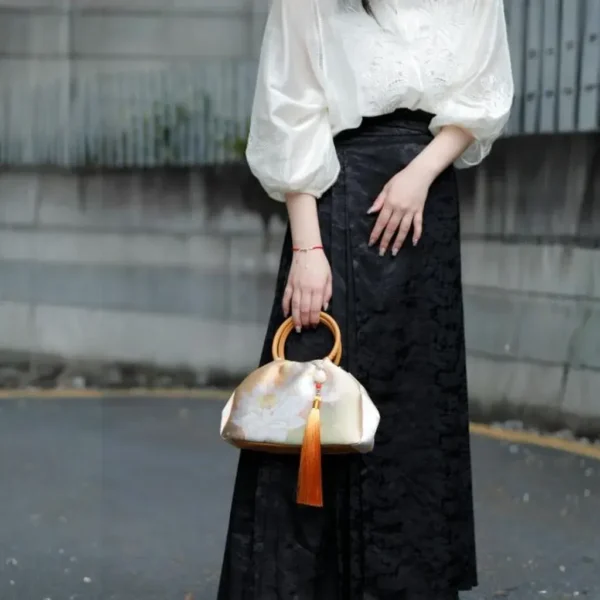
(286, 302)
(390, 229)
(417, 228)
(402, 232)
(305, 308)
(328, 294)
(382, 221)
(316, 303)
(379, 201)
(296, 297)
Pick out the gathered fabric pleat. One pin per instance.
(398, 522)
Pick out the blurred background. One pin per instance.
(138, 257)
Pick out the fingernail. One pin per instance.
(394, 251)
(381, 251)
(370, 243)
(372, 209)
(415, 242)
(326, 306)
(298, 329)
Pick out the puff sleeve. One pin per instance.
(481, 94)
(290, 145)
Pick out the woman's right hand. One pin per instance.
(308, 290)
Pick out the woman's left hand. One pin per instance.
(400, 205)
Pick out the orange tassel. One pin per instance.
(310, 485)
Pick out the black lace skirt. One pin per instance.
(398, 522)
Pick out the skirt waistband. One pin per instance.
(400, 120)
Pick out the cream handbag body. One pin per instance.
(302, 407)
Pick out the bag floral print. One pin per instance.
(302, 407)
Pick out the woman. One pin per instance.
(360, 114)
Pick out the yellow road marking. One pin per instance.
(507, 435)
(536, 439)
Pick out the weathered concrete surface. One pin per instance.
(128, 498)
(173, 270)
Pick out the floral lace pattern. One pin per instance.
(449, 58)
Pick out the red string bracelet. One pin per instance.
(296, 249)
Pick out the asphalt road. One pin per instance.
(128, 498)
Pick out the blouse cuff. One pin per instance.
(318, 188)
(486, 128)
(301, 164)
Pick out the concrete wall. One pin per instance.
(173, 268)
(131, 267)
(125, 35)
(531, 255)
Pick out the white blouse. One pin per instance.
(326, 64)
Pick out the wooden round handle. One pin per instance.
(281, 336)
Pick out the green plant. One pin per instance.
(162, 131)
(237, 145)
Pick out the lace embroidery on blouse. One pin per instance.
(322, 69)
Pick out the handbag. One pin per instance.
(308, 408)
